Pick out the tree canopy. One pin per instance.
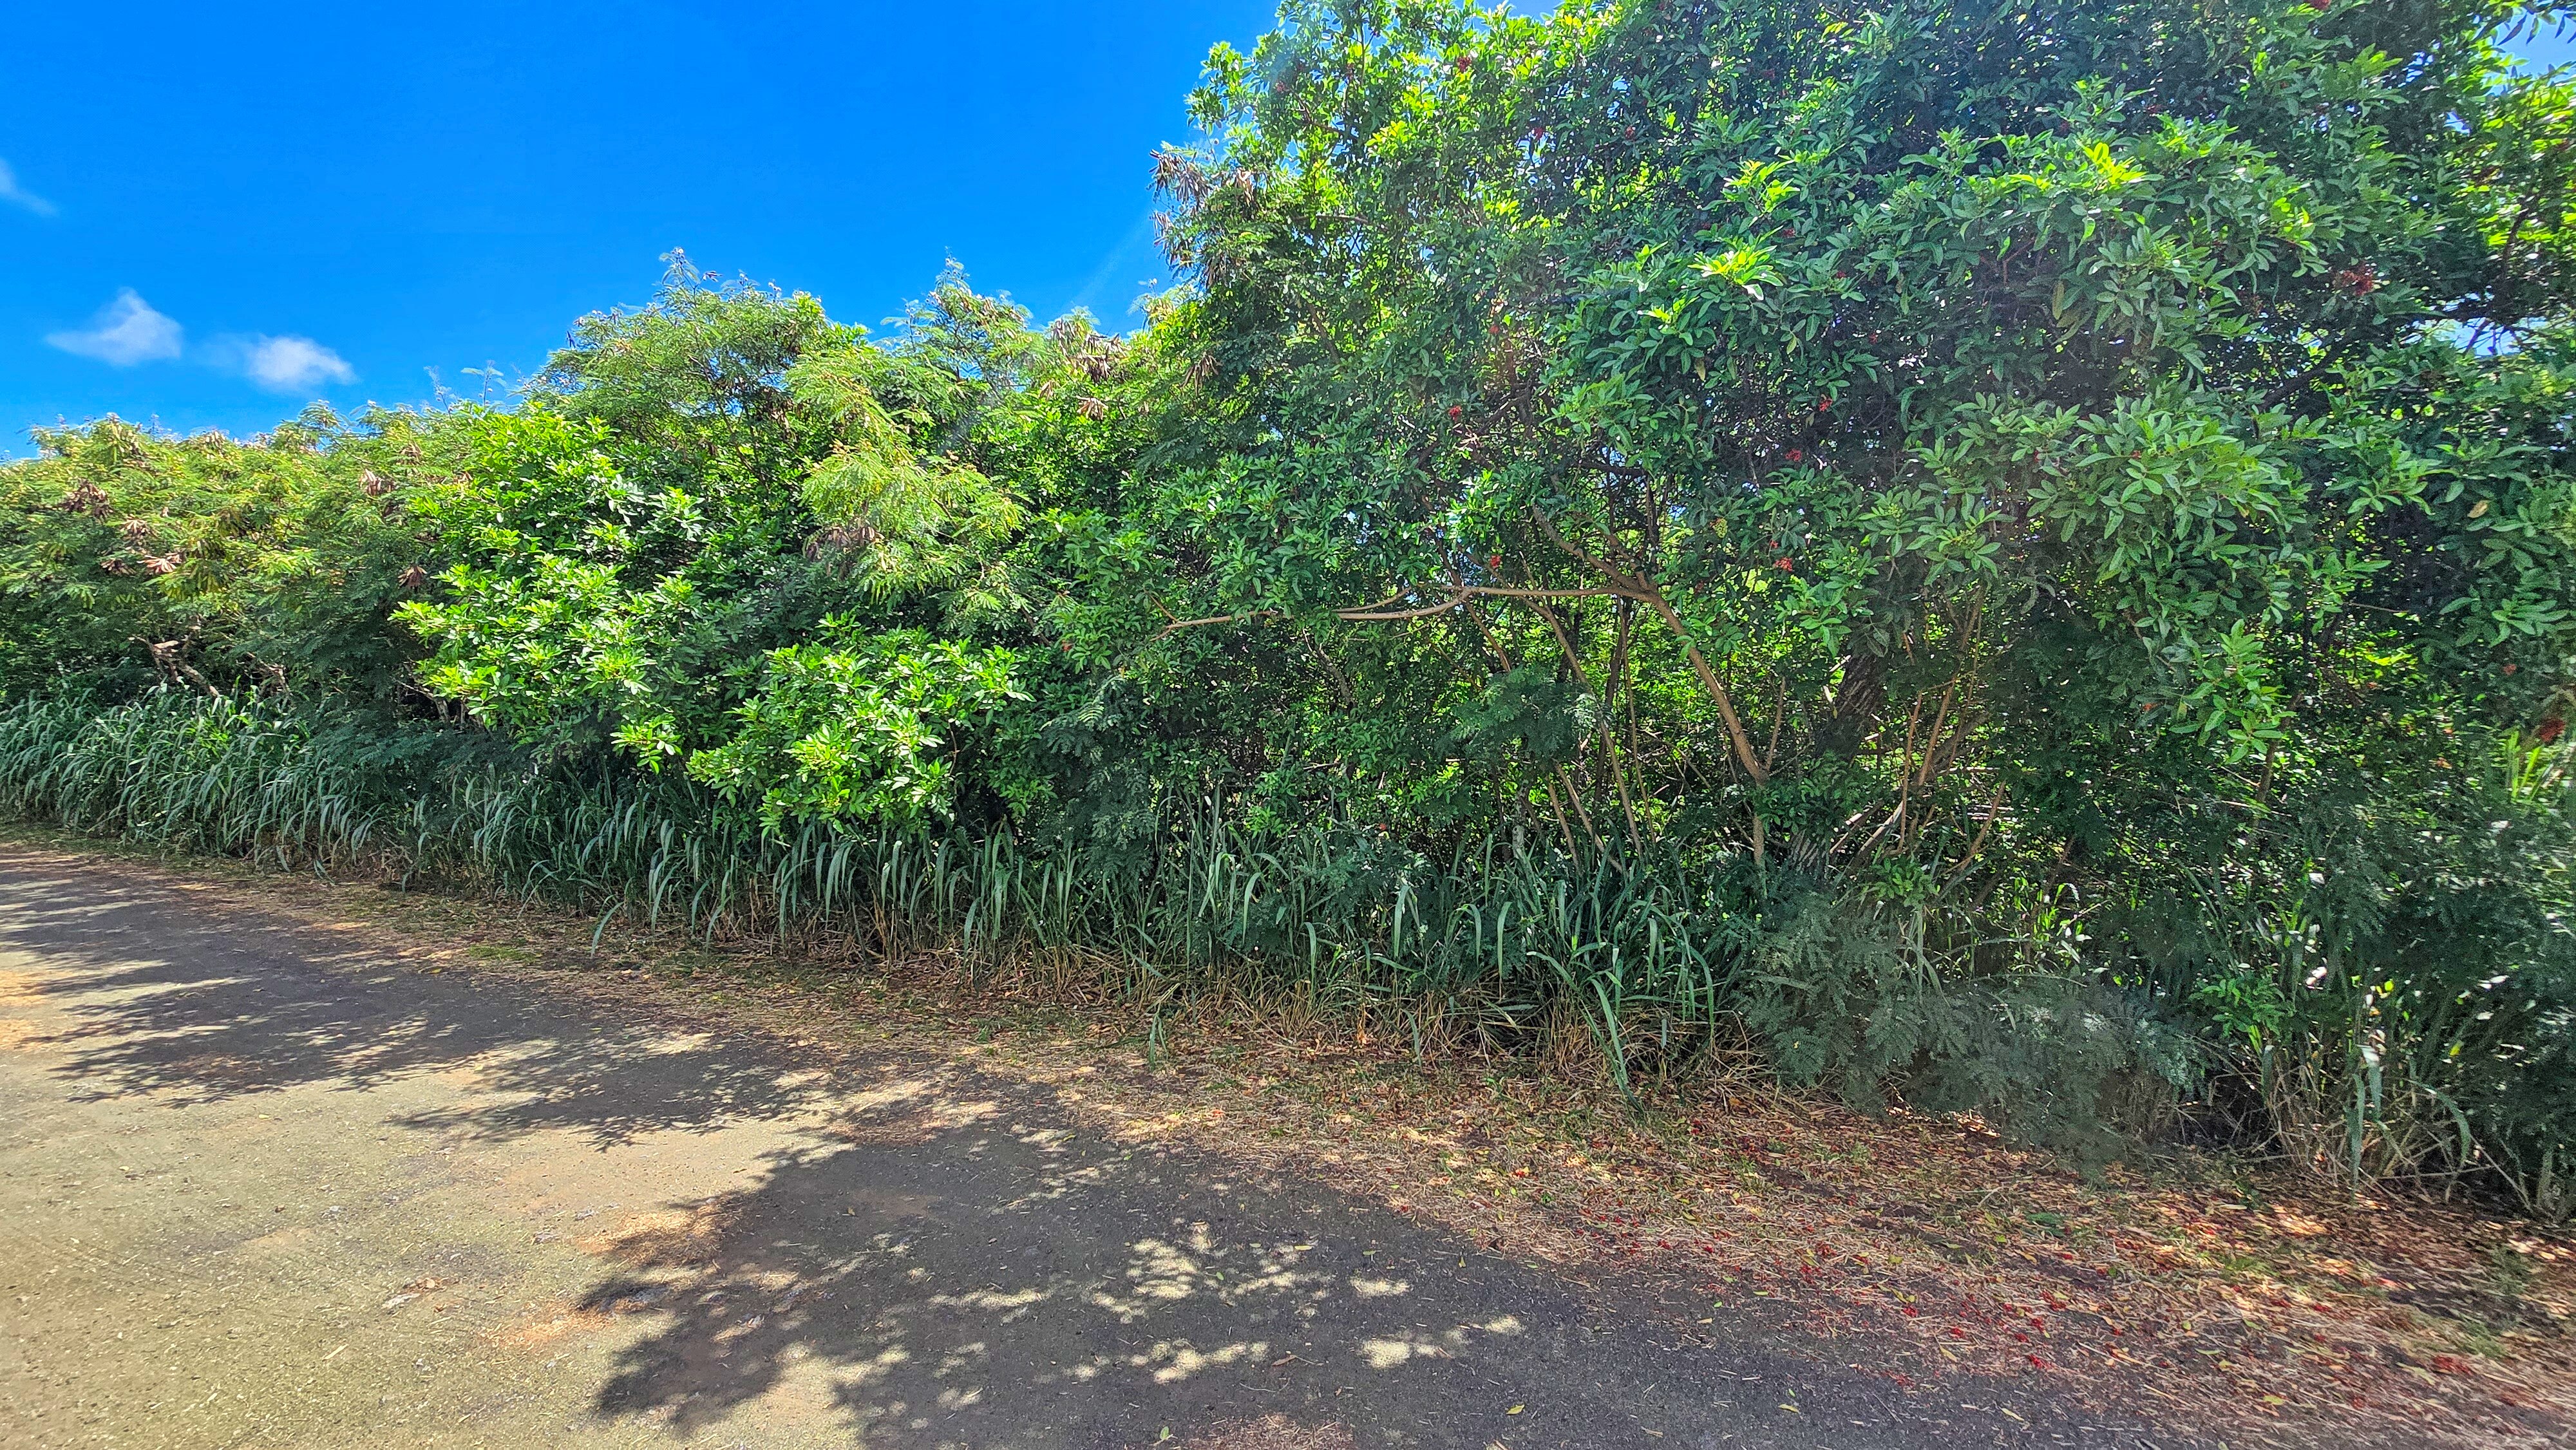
(2046, 533)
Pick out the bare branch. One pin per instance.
(1459, 594)
(1177, 625)
(1362, 616)
(1994, 806)
(1639, 587)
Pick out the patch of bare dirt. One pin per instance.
(535, 1334)
(1274, 1432)
(676, 1239)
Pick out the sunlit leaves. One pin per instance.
(854, 731)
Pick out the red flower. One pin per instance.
(1785, 564)
(1824, 405)
(1796, 457)
(1455, 410)
(2551, 729)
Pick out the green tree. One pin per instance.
(2023, 556)
(128, 557)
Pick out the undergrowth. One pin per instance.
(1643, 965)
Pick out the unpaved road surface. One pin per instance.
(262, 1186)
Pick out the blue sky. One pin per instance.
(219, 212)
(213, 214)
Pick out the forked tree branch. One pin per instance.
(1641, 588)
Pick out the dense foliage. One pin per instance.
(2016, 560)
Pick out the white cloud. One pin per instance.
(125, 332)
(128, 331)
(16, 195)
(291, 364)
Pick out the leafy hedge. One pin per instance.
(2020, 560)
(1849, 989)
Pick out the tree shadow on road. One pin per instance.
(971, 1273)
(198, 1006)
(936, 1258)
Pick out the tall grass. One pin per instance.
(1487, 944)
(197, 774)
(2435, 1046)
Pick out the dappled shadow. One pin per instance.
(951, 1265)
(925, 1256)
(953, 1278)
(195, 1003)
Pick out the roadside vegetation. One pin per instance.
(2002, 562)
(2204, 1294)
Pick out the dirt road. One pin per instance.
(266, 1187)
